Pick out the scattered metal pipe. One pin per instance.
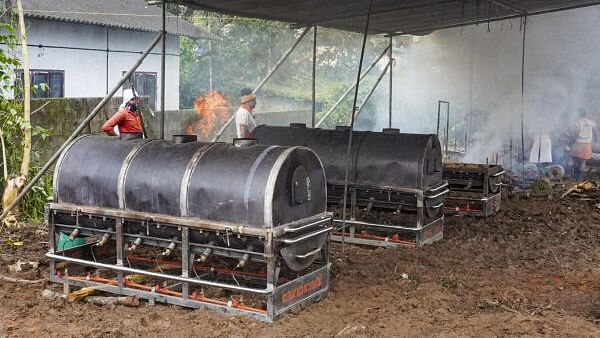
(81, 126)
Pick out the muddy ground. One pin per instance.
(533, 270)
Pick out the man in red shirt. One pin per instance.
(127, 119)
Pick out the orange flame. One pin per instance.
(211, 108)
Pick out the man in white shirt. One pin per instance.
(244, 120)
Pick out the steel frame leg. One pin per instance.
(120, 248)
(185, 261)
(271, 275)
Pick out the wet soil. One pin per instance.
(532, 270)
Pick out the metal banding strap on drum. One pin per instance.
(125, 169)
(187, 176)
(250, 178)
(59, 164)
(270, 187)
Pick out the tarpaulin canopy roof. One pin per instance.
(388, 16)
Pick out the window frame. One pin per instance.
(127, 85)
(20, 75)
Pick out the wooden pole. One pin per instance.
(26, 95)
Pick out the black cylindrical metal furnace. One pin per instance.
(254, 185)
(395, 180)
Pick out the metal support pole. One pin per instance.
(364, 103)
(523, 97)
(210, 68)
(391, 74)
(349, 147)
(81, 126)
(264, 80)
(162, 71)
(185, 261)
(314, 74)
(349, 89)
(440, 102)
(120, 248)
(271, 273)
(49, 217)
(437, 129)
(107, 57)
(447, 129)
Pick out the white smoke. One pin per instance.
(478, 70)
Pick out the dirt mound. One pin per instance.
(533, 270)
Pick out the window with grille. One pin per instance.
(54, 79)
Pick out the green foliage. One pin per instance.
(246, 49)
(12, 125)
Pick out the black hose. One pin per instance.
(362, 54)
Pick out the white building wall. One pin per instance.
(80, 51)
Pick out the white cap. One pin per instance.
(128, 94)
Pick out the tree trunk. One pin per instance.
(26, 95)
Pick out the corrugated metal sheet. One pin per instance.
(388, 16)
(125, 14)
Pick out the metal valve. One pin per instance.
(169, 249)
(242, 262)
(103, 239)
(135, 244)
(73, 234)
(205, 254)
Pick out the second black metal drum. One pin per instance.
(377, 159)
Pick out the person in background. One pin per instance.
(127, 119)
(581, 151)
(244, 120)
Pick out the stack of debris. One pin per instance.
(584, 191)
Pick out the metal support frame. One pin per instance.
(440, 102)
(415, 231)
(349, 89)
(437, 132)
(81, 127)
(281, 294)
(351, 129)
(473, 206)
(471, 191)
(265, 79)
(366, 100)
(162, 71)
(391, 58)
(314, 75)
(446, 140)
(423, 235)
(523, 54)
